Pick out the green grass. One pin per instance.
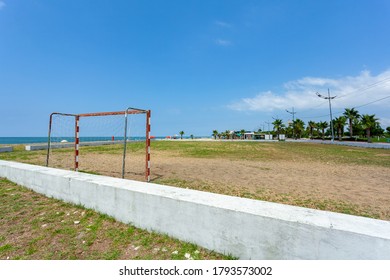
(385, 139)
(225, 150)
(89, 172)
(36, 227)
(20, 154)
(231, 151)
(5, 248)
(276, 151)
(116, 149)
(339, 154)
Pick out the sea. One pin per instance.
(22, 140)
(37, 140)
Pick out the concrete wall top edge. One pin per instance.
(360, 225)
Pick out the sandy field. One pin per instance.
(298, 181)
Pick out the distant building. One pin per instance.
(249, 135)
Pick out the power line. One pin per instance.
(362, 89)
(365, 104)
(386, 80)
(312, 108)
(316, 117)
(373, 102)
(338, 112)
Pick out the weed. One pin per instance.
(5, 248)
(47, 231)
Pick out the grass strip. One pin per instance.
(33, 226)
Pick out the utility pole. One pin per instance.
(293, 114)
(268, 126)
(269, 132)
(330, 109)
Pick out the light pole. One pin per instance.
(330, 110)
(293, 114)
(269, 131)
(268, 126)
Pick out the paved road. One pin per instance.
(344, 143)
(347, 143)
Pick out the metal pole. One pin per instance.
(147, 171)
(49, 136)
(125, 137)
(268, 127)
(124, 147)
(49, 140)
(76, 144)
(293, 114)
(331, 118)
(330, 110)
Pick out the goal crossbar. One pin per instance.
(128, 111)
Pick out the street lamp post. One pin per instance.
(293, 114)
(330, 110)
(268, 127)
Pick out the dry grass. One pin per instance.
(33, 226)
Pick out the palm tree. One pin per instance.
(227, 134)
(289, 130)
(318, 128)
(369, 122)
(215, 134)
(278, 125)
(322, 126)
(352, 115)
(181, 134)
(311, 125)
(339, 123)
(242, 132)
(299, 127)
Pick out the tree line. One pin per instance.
(358, 127)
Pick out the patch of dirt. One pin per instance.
(364, 186)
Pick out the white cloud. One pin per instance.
(222, 42)
(351, 91)
(222, 24)
(385, 122)
(2, 5)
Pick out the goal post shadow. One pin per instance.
(125, 113)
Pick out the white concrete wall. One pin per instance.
(248, 229)
(6, 149)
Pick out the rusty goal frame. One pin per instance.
(128, 111)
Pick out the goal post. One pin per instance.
(75, 138)
(147, 139)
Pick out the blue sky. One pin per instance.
(198, 65)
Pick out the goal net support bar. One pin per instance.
(126, 113)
